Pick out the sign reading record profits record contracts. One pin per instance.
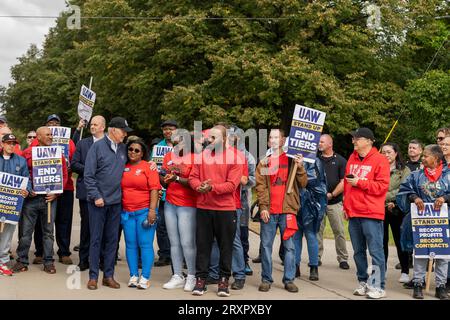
(306, 128)
(11, 199)
(47, 169)
(430, 231)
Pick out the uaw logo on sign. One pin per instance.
(11, 199)
(61, 137)
(86, 104)
(47, 169)
(158, 154)
(431, 231)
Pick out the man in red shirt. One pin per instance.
(367, 183)
(278, 208)
(216, 179)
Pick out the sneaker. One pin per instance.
(290, 287)
(404, 278)
(222, 290)
(4, 270)
(211, 280)
(418, 291)
(19, 267)
(361, 290)
(190, 283)
(133, 282)
(376, 293)
(144, 283)
(441, 293)
(344, 265)
(264, 286)
(200, 287)
(409, 285)
(257, 259)
(238, 284)
(175, 282)
(313, 273)
(49, 268)
(248, 270)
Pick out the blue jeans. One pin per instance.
(312, 243)
(368, 233)
(268, 233)
(136, 237)
(237, 262)
(181, 224)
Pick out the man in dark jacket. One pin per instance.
(103, 171)
(97, 128)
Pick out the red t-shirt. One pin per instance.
(278, 181)
(176, 193)
(137, 182)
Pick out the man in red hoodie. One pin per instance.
(366, 184)
(216, 174)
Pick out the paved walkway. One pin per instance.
(334, 283)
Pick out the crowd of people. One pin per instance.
(195, 194)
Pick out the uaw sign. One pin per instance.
(61, 137)
(306, 128)
(158, 154)
(11, 199)
(86, 104)
(430, 231)
(47, 169)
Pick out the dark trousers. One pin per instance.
(394, 219)
(63, 226)
(222, 226)
(244, 241)
(84, 232)
(162, 237)
(104, 224)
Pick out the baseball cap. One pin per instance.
(363, 133)
(3, 119)
(169, 123)
(119, 122)
(9, 137)
(53, 117)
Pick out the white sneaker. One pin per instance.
(190, 283)
(404, 278)
(133, 282)
(175, 282)
(376, 293)
(144, 283)
(361, 290)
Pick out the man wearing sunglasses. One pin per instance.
(441, 133)
(30, 137)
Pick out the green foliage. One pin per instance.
(250, 72)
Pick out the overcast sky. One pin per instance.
(16, 34)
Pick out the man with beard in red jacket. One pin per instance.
(366, 184)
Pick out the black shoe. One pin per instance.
(238, 284)
(320, 263)
(200, 287)
(162, 262)
(101, 266)
(441, 293)
(418, 294)
(83, 266)
(257, 259)
(344, 265)
(211, 280)
(398, 266)
(313, 273)
(222, 290)
(297, 271)
(76, 248)
(248, 270)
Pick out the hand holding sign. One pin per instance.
(438, 203)
(419, 203)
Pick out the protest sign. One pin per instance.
(11, 199)
(61, 137)
(47, 169)
(430, 232)
(158, 154)
(86, 104)
(306, 128)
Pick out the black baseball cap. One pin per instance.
(169, 123)
(9, 137)
(53, 117)
(3, 119)
(363, 133)
(119, 122)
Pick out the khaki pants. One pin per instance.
(335, 215)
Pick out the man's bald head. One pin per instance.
(326, 143)
(44, 136)
(97, 126)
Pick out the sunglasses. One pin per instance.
(31, 137)
(134, 150)
(440, 138)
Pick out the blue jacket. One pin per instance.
(103, 171)
(313, 198)
(77, 165)
(418, 185)
(16, 165)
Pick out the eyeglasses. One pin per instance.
(440, 138)
(31, 137)
(134, 150)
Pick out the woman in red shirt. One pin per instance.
(140, 187)
(180, 210)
